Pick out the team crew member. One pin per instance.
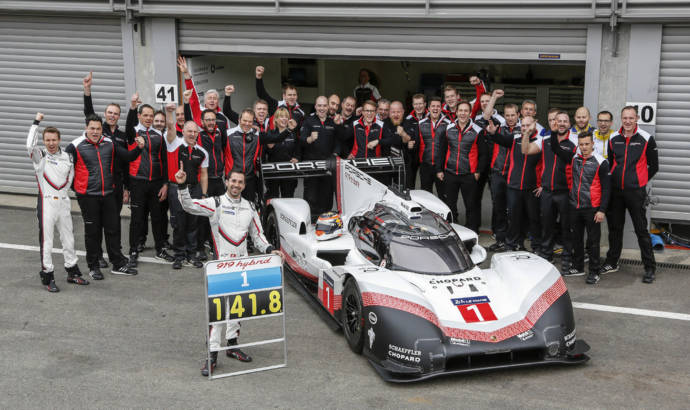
(242, 153)
(582, 118)
(211, 97)
(635, 160)
(452, 98)
(54, 172)
(262, 122)
(383, 108)
(369, 133)
(112, 131)
(521, 179)
(463, 158)
(365, 91)
(411, 126)
(148, 181)
(529, 109)
(603, 133)
(401, 139)
(94, 156)
(289, 100)
(431, 132)
(589, 199)
(184, 153)
(232, 218)
(317, 141)
(346, 136)
(555, 181)
(333, 105)
(281, 146)
(487, 146)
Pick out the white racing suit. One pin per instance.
(54, 173)
(231, 221)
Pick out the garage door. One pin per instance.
(44, 60)
(671, 186)
(384, 39)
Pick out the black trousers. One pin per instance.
(553, 204)
(634, 201)
(143, 196)
(411, 167)
(101, 218)
(216, 187)
(185, 226)
(481, 184)
(583, 219)
(499, 209)
(519, 203)
(250, 188)
(318, 192)
(428, 179)
(281, 188)
(468, 186)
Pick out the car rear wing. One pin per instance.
(317, 168)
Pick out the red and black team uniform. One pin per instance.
(185, 226)
(485, 168)
(479, 90)
(147, 175)
(242, 154)
(634, 161)
(589, 193)
(283, 150)
(521, 181)
(318, 191)
(197, 108)
(94, 185)
(431, 135)
(296, 112)
(463, 157)
(555, 183)
(234, 116)
(500, 165)
(411, 126)
(345, 135)
(364, 134)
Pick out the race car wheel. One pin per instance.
(353, 321)
(272, 231)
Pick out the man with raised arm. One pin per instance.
(211, 97)
(289, 100)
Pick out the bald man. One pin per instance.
(582, 118)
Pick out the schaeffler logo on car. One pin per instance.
(569, 338)
(403, 353)
(475, 309)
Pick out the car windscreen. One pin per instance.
(428, 254)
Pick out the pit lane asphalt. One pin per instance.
(139, 342)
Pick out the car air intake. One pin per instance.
(335, 258)
(482, 361)
(469, 243)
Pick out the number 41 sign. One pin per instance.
(166, 93)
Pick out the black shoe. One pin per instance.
(592, 278)
(649, 276)
(95, 273)
(497, 247)
(133, 259)
(214, 360)
(167, 245)
(52, 287)
(196, 263)
(177, 264)
(608, 268)
(201, 255)
(102, 262)
(48, 281)
(74, 276)
(237, 353)
(125, 269)
(565, 265)
(574, 272)
(164, 256)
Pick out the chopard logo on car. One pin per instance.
(453, 280)
(288, 221)
(403, 353)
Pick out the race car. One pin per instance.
(403, 282)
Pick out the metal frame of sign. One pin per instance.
(225, 322)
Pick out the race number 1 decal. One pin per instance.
(327, 293)
(475, 309)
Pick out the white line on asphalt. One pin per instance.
(578, 305)
(632, 311)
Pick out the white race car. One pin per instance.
(404, 285)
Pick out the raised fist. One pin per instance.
(498, 94)
(170, 107)
(141, 143)
(39, 116)
(186, 95)
(88, 80)
(259, 71)
(229, 89)
(135, 100)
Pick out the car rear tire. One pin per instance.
(352, 316)
(272, 230)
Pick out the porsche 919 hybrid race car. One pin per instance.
(403, 282)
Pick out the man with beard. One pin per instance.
(333, 105)
(401, 138)
(289, 100)
(211, 97)
(347, 113)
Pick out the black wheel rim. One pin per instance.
(352, 312)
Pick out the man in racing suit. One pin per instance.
(232, 218)
(54, 173)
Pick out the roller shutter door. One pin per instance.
(44, 60)
(416, 39)
(671, 186)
